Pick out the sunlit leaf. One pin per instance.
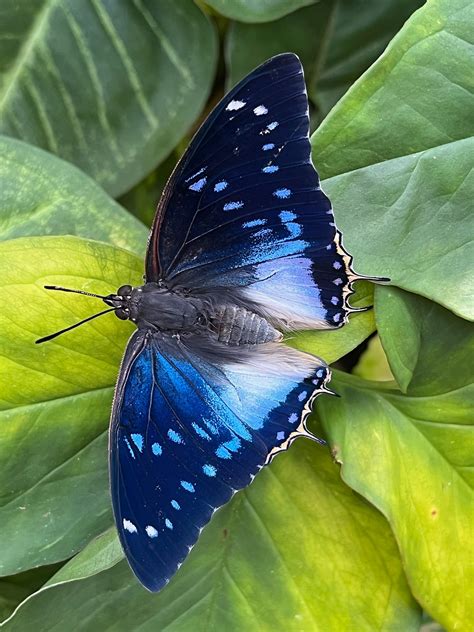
(42, 195)
(412, 457)
(372, 364)
(55, 398)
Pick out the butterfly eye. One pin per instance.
(123, 314)
(125, 290)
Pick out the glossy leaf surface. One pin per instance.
(108, 86)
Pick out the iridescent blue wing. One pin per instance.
(187, 432)
(244, 209)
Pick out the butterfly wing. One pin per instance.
(244, 208)
(186, 433)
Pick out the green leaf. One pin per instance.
(42, 195)
(109, 86)
(373, 364)
(301, 32)
(356, 34)
(55, 398)
(16, 588)
(250, 572)
(336, 40)
(143, 199)
(408, 219)
(429, 349)
(417, 96)
(257, 10)
(412, 458)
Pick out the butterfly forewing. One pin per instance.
(244, 209)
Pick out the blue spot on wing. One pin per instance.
(220, 186)
(189, 487)
(137, 440)
(232, 206)
(283, 193)
(175, 436)
(156, 449)
(209, 470)
(199, 185)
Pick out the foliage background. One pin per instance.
(97, 100)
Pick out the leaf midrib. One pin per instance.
(38, 27)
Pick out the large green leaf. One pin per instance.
(55, 398)
(336, 40)
(408, 218)
(296, 551)
(418, 95)
(42, 195)
(412, 457)
(108, 85)
(257, 10)
(429, 349)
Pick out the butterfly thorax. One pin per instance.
(155, 307)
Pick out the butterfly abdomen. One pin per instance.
(237, 326)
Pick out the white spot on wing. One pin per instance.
(235, 105)
(129, 526)
(259, 110)
(151, 531)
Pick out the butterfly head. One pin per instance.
(121, 301)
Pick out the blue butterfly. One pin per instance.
(243, 248)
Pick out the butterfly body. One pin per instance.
(155, 307)
(243, 247)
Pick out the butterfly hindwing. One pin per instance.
(244, 209)
(186, 433)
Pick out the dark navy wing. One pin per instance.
(187, 433)
(244, 208)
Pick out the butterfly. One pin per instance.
(243, 248)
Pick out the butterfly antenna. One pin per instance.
(58, 288)
(62, 331)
